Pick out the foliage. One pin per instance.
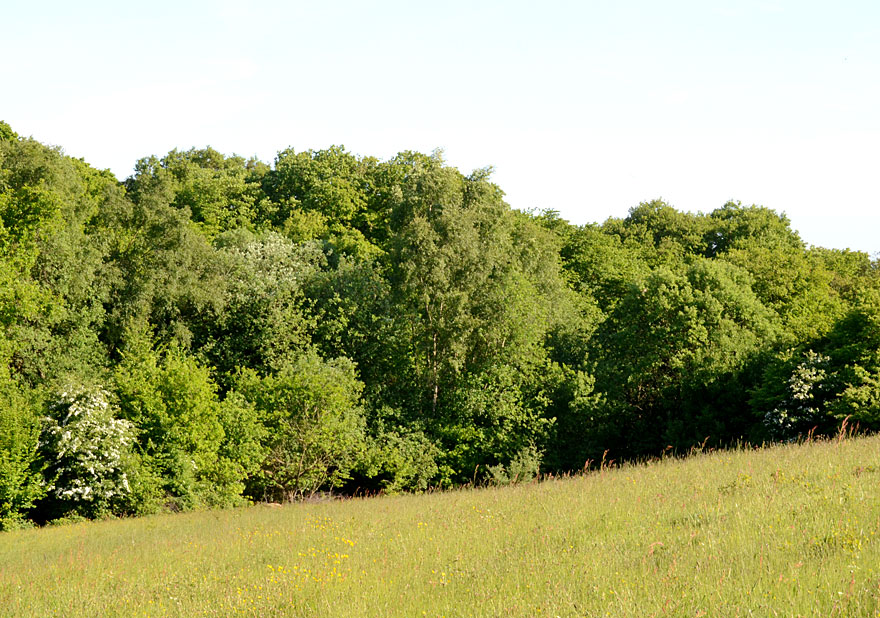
(218, 193)
(324, 195)
(20, 471)
(669, 340)
(263, 320)
(479, 290)
(600, 265)
(854, 350)
(399, 459)
(661, 233)
(87, 450)
(734, 226)
(333, 322)
(841, 380)
(801, 408)
(524, 466)
(182, 426)
(315, 426)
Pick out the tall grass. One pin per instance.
(785, 531)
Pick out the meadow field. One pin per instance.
(789, 530)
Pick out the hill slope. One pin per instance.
(789, 530)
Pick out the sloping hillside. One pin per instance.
(789, 530)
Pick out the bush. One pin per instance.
(803, 406)
(88, 454)
(315, 426)
(524, 466)
(198, 448)
(20, 477)
(401, 459)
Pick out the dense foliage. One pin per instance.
(215, 329)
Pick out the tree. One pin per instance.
(218, 193)
(264, 319)
(54, 300)
(854, 363)
(21, 480)
(793, 396)
(315, 426)
(199, 447)
(818, 384)
(793, 283)
(661, 233)
(601, 266)
(159, 270)
(6, 133)
(733, 226)
(479, 289)
(324, 195)
(669, 344)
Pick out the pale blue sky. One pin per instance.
(584, 107)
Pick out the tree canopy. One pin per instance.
(216, 329)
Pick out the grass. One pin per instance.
(791, 530)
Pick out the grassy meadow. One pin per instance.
(791, 530)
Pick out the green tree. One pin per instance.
(6, 133)
(323, 195)
(53, 303)
(315, 426)
(662, 234)
(158, 269)
(734, 226)
(218, 193)
(794, 284)
(264, 319)
(854, 351)
(851, 272)
(666, 348)
(21, 480)
(199, 447)
(601, 266)
(479, 289)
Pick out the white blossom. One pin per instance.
(89, 445)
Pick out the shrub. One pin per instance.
(315, 426)
(402, 459)
(523, 467)
(20, 478)
(88, 454)
(198, 448)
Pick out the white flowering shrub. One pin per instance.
(87, 451)
(803, 407)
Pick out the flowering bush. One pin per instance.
(88, 451)
(804, 405)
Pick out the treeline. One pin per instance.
(215, 329)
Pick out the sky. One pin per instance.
(586, 107)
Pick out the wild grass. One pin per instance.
(790, 530)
